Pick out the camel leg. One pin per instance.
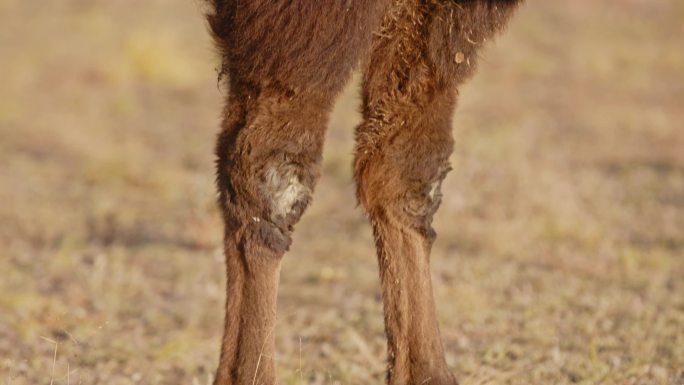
(268, 153)
(398, 185)
(285, 60)
(423, 52)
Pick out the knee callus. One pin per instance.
(285, 193)
(405, 187)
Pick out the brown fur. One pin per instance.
(286, 60)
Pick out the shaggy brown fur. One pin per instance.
(286, 60)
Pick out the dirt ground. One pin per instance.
(560, 257)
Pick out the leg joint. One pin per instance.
(410, 194)
(265, 198)
(286, 192)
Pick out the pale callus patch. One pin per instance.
(285, 190)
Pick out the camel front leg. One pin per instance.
(398, 185)
(268, 162)
(423, 52)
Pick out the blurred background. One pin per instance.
(560, 256)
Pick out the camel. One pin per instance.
(284, 63)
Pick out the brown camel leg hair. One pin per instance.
(268, 161)
(422, 52)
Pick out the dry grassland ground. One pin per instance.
(560, 258)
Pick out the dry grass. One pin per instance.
(561, 250)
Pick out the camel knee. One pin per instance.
(265, 202)
(408, 190)
(268, 156)
(284, 190)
